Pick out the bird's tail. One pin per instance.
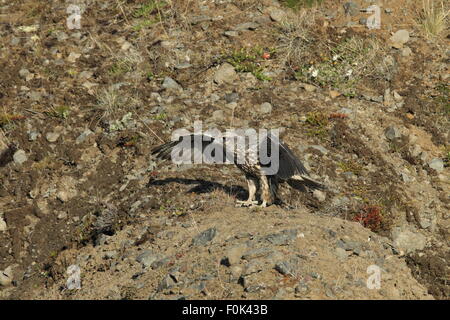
(164, 151)
(302, 181)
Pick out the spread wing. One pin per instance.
(289, 164)
(189, 146)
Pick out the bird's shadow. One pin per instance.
(203, 186)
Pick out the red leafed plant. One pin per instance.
(370, 217)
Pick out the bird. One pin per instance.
(266, 163)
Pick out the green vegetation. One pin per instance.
(249, 60)
(61, 112)
(296, 4)
(148, 8)
(317, 122)
(342, 66)
(145, 11)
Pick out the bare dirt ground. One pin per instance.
(82, 108)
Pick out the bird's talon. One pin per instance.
(246, 203)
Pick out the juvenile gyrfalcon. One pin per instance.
(266, 162)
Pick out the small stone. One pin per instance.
(287, 268)
(397, 97)
(276, 14)
(392, 133)
(6, 277)
(399, 38)
(334, 94)
(246, 26)
(52, 136)
(225, 74)
(437, 164)
(62, 216)
(351, 8)
(73, 57)
(282, 238)
(266, 107)
(320, 149)
(82, 137)
(85, 75)
(204, 237)
(319, 195)
(218, 115)
(231, 97)
(231, 34)
(169, 83)
(25, 74)
(147, 258)
(20, 156)
(407, 240)
(406, 52)
(388, 10)
(341, 253)
(33, 135)
(309, 87)
(34, 95)
(182, 66)
(257, 253)
(166, 283)
(363, 21)
(234, 255)
(3, 226)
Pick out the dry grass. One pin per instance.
(433, 18)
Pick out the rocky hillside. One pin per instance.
(366, 110)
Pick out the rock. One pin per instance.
(320, 149)
(25, 74)
(166, 283)
(204, 237)
(388, 10)
(73, 57)
(257, 253)
(85, 75)
(52, 136)
(231, 34)
(276, 14)
(288, 267)
(225, 74)
(399, 38)
(392, 133)
(147, 258)
(82, 137)
(169, 83)
(437, 164)
(246, 26)
(20, 156)
(309, 87)
(334, 94)
(233, 256)
(6, 277)
(341, 253)
(33, 135)
(266, 107)
(407, 240)
(218, 115)
(319, 195)
(351, 8)
(34, 96)
(363, 21)
(406, 52)
(182, 66)
(282, 238)
(3, 226)
(397, 97)
(231, 97)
